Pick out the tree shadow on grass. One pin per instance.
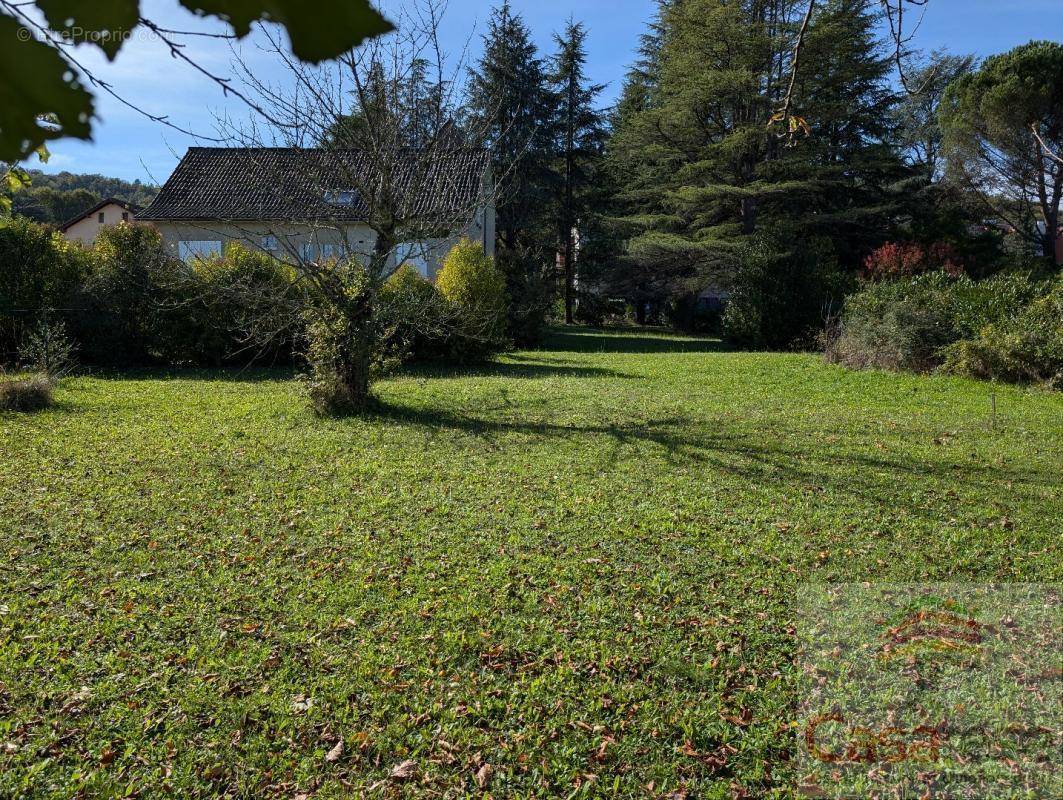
(515, 366)
(749, 455)
(627, 340)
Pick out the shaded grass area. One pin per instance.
(576, 566)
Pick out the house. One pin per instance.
(84, 227)
(299, 204)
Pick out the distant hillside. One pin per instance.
(56, 198)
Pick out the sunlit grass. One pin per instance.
(576, 566)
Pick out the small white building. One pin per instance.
(85, 226)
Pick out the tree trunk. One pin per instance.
(355, 366)
(749, 215)
(570, 279)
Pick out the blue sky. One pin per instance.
(128, 146)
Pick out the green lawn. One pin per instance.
(569, 572)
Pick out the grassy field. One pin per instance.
(568, 573)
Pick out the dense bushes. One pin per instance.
(1009, 327)
(38, 269)
(780, 295)
(126, 302)
(461, 317)
(1027, 347)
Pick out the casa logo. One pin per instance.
(832, 740)
(930, 632)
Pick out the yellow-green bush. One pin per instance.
(1022, 349)
(471, 283)
(470, 279)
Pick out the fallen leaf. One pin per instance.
(404, 771)
(335, 753)
(483, 775)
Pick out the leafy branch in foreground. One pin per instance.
(39, 75)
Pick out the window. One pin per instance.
(189, 251)
(330, 251)
(309, 251)
(415, 254)
(99, 217)
(341, 197)
(269, 243)
(125, 216)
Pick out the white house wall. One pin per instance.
(291, 238)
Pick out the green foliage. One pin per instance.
(1003, 327)
(45, 205)
(698, 173)
(522, 559)
(470, 281)
(244, 306)
(991, 120)
(581, 135)
(415, 321)
(102, 186)
(1025, 347)
(56, 198)
(335, 27)
(47, 349)
(39, 270)
(36, 81)
(40, 96)
(338, 349)
(511, 99)
(916, 114)
(126, 314)
(782, 295)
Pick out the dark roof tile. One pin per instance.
(293, 184)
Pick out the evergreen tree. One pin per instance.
(510, 97)
(704, 176)
(581, 136)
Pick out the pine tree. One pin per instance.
(703, 174)
(510, 97)
(581, 136)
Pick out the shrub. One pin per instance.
(469, 279)
(1005, 327)
(476, 289)
(779, 296)
(415, 321)
(899, 325)
(128, 315)
(25, 394)
(1025, 348)
(48, 349)
(39, 270)
(905, 259)
(243, 301)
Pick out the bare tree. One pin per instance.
(365, 156)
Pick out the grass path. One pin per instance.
(568, 573)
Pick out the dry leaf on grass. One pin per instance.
(483, 775)
(404, 771)
(336, 752)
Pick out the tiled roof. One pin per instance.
(293, 184)
(110, 201)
